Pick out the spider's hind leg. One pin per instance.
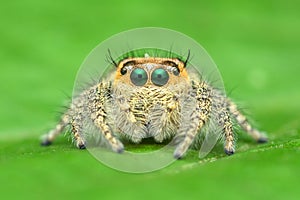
(224, 121)
(243, 122)
(49, 137)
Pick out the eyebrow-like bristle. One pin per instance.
(187, 58)
(130, 62)
(110, 58)
(141, 60)
(170, 63)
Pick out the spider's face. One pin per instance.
(151, 71)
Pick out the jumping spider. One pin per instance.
(152, 97)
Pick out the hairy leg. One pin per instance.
(222, 116)
(243, 122)
(77, 133)
(104, 128)
(48, 138)
(98, 114)
(224, 121)
(195, 112)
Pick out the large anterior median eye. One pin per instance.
(138, 77)
(159, 77)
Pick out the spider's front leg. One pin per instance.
(105, 130)
(195, 113)
(98, 100)
(77, 132)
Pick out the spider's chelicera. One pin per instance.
(152, 97)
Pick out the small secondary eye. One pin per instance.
(176, 71)
(138, 77)
(159, 77)
(123, 70)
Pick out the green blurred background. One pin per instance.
(254, 43)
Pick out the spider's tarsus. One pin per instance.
(262, 140)
(118, 148)
(177, 155)
(46, 143)
(81, 146)
(229, 152)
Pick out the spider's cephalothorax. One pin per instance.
(152, 97)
